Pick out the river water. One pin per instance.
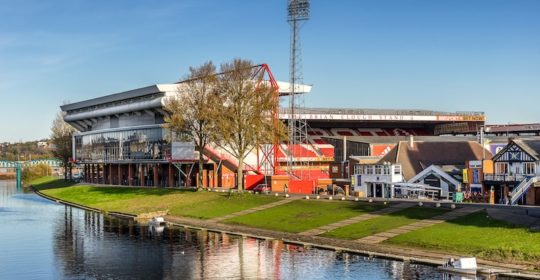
(44, 240)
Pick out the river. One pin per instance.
(41, 239)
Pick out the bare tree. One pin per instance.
(191, 113)
(61, 138)
(245, 114)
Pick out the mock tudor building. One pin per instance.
(516, 170)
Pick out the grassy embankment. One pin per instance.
(302, 215)
(385, 223)
(201, 205)
(476, 234)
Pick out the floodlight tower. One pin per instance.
(298, 12)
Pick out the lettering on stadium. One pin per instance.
(345, 117)
(360, 117)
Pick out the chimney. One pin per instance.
(411, 141)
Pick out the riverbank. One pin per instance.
(205, 210)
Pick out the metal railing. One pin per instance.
(522, 189)
(506, 177)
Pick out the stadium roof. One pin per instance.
(284, 89)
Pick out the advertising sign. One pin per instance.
(381, 150)
(495, 148)
(183, 151)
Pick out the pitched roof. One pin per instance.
(530, 146)
(420, 155)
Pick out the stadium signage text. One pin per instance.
(376, 117)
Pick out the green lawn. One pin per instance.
(49, 182)
(476, 234)
(202, 205)
(302, 215)
(384, 223)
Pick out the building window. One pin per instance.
(358, 169)
(397, 169)
(386, 170)
(378, 169)
(130, 144)
(529, 168)
(368, 170)
(501, 168)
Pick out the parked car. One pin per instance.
(262, 188)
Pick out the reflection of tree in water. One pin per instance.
(89, 245)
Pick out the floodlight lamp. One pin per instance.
(298, 9)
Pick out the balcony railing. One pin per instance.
(506, 177)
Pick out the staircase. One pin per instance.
(522, 189)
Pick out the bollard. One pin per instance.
(330, 198)
(370, 200)
(342, 198)
(453, 206)
(307, 197)
(438, 205)
(256, 192)
(420, 203)
(286, 195)
(356, 199)
(277, 194)
(317, 197)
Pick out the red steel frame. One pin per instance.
(269, 156)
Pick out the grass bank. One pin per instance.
(194, 204)
(302, 215)
(385, 223)
(50, 182)
(476, 234)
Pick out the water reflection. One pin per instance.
(100, 246)
(59, 242)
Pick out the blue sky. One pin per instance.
(450, 55)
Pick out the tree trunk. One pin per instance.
(66, 169)
(201, 159)
(240, 175)
(70, 171)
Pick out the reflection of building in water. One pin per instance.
(7, 188)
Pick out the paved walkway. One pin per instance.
(255, 209)
(382, 236)
(326, 228)
(518, 217)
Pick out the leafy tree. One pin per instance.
(61, 138)
(191, 113)
(244, 116)
(30, 173)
